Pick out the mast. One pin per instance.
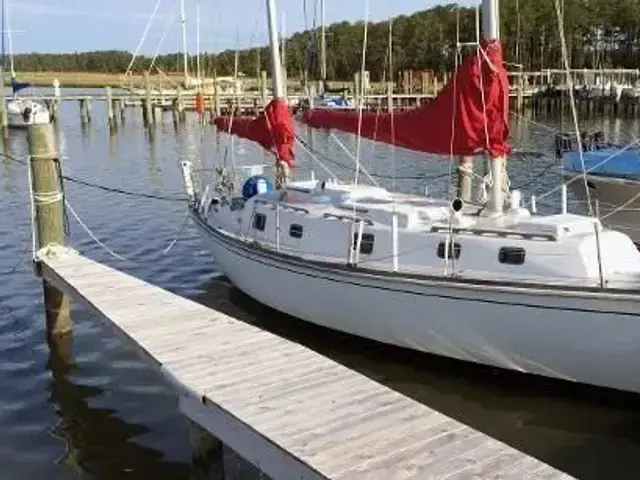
(276, 65)
(183, 23)
(323, 46)
(497, 165)
(198, 71)
(9, 41)
(4, 30)
(3, 112)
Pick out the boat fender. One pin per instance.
(256, 185)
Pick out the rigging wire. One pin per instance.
(574, 112)
(361, 92)
(102, 187)
(170, 20)
(143, 38)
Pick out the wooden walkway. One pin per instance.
(286, 409)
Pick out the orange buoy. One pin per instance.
(200, 103)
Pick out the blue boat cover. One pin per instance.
(17, 86)
(625, 163)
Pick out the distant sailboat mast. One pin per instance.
(183, 23)
(323, 47)
(198, 69)
(4, 52)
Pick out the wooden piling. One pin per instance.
(263, 87)
(111, 118)
(206, 452)
(119, 106)
(87, 107)
(146, 103)
(212, 109)
(48, 203)
(84, 115)
(182, 116)
(4, 119)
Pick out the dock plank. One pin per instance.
(285, 408)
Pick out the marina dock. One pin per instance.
(284, 408)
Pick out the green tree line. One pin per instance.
(599, 33)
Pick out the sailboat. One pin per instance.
(326, 97)
(551, 295)
(21, 112)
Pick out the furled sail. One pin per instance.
(468, 117)
(273, 129)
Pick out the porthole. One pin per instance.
(366, 244)
(295, 230)
(511, 255)
(259, 221)
(454, 250)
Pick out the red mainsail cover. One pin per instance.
(458, 121)
(273, 129)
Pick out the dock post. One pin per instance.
(263, 87)
(55, 103)
(48, 201)
(4, 119)
(119, 107)
(356, 89)
(424, 82)
(465, 178)
(87, 107)
(83, 110)
(206, 452)
(181, 111)
(520, 94)
(212, 109)
(146, 104)
(111, 118)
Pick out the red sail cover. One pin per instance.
(458, 121)
(273, 129)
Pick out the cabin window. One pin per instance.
(366, 244)
(259, 221)
(511, 255)
(295, 230)
(454, 250)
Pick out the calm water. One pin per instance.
(91, 409)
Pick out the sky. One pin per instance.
(85, 25)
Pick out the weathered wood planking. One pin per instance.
(288, 410)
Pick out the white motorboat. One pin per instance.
(22, 112)
(553, 295)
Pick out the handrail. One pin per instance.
(348, 218)
(281, 205)
(499, 233)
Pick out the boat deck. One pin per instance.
(285, 408)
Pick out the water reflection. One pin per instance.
(98, 442)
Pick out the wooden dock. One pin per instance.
(284, 408)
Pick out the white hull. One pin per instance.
(24, 112)
(580, 336)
